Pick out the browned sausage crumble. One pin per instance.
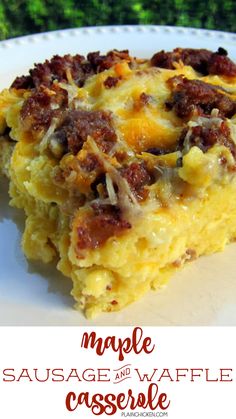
(206, 137)
(78, 66)
(196, 95)
(104, 222)
(202, 60)
(77, 125)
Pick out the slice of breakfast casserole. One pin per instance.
(125, 167)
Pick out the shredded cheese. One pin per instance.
(125, 197)
(44, 142)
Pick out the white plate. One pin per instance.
(204, 293)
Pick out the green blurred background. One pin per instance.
(21, 17)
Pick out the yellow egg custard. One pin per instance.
(125, 167)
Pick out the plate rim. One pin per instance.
(100, 29)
